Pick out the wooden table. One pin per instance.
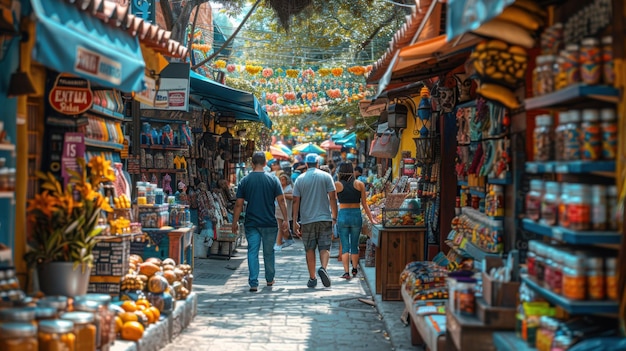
(422, 330)
(395, 247)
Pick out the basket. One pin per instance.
(225, 233)
(395, 200)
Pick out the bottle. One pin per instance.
(559, 136)
(563, 199)
(574, 279)
(598, 205)
(591, 135)
(533, 200)
(608, 72)
(572, 140)
(550, 203)
(590, 61)
(531, 258)
(611, 203)
(542, 138)
(611, 278)
(578, 207)
(557, 272)
(595, 279)
(609, 133)
(572, 63)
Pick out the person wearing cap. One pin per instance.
(314, 197)
(274, 166)
(260, 189)
(298, 168)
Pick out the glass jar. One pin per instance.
(591, 135)
(572, 63)
(18, 337)
(533, 200)
(45, 313)
(547, 74)
(559, 136)
(540, 262)
(56, 335)
(58, 302)
(543, 138)
(611, 278)
(531, 257)
(84, 329)
(538, 84)
(18, 315)
(150, 194)
(466, 298)
(563, 199)
(557, 272)
(579, 207)
(92, 307)
(159, 196)
(590, 61)
(595, 279)
(598, 207)
(550, 203)
(105, 317)
(574, 279)
(608, 72)
(548, 266)
(608, 128)
(572, 140)
(611, 203)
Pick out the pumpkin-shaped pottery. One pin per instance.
(157, 284)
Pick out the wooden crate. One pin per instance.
(491, 315)
(464, 332)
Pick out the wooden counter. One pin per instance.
(423, 331)
(395, 247)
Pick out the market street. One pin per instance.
(287, 316)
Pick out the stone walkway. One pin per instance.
(287, 316)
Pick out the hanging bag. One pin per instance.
(386, 145)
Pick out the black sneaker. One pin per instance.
(254, 289)
(312, 283)
(324, 276)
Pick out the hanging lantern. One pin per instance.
(396, 115)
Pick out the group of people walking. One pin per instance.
(316, 205)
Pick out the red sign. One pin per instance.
(71, 95)
(177, 98)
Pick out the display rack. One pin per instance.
(571, 167)
(572, 95)
(572, 236)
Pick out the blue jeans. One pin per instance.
(255, 236)
(349, 222)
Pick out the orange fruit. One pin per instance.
(132, 331)
(129, 306)
(119, 323)
(149, 315)
(128, 317)
(143, 303)
(157, 314)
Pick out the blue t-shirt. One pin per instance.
(313, 187)
(260, 190)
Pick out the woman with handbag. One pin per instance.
(351, 195)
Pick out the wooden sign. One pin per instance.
(70, 95)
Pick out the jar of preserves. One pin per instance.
(559, 136)
(611, 278)
(608, 71)
(538, 76)
(550, 203)
(84, 330)
(56, 335)
(591, 135)
(45, 313)
(92, 307)
(563, 199)
(18, 315)
(106, 318)
(590, 61)
(599, 208)
(595, 279)
(608, 127)
(557, 272)
(572, 140)
(579, 207)
(574, 279)
(18, 337)
(540, 262)
(531, 258)
(58, 302)
(572, 63)
(543, 138)
(548, 266)
(533, 200)
(466, 298)
(548, 74)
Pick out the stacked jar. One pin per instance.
(574, 278)
(572, 137)
(559, 136)
(18, 337)
(550, 203)
(595, 279)
(56, 335)
(543, 138)
(591, 146)
(578, 207)
(533, 199)
(608, 129)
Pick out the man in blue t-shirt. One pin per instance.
(315, 198)
(260, 189)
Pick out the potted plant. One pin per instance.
(63, 226)
(362, 245)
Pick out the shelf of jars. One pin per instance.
(573, 94)
(572, 236)
(571, 167)
(103, 144)
(572, 306)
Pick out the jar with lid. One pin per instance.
(141, 195)
(611, 278)
(559, 136)
(608, 72)
(574, 279)
(542, 138)
(595, 279)
(608, 128)
(58, 302)
(18, 315)
(56, 335)
(540, 262)
(159, 196)
(533, 200)
(548, 265)
(599, 207)
(550, 203)
(563, 199)
(531, 258)
(187, 216)
(612, 211)
(579, 207)
(150, 194)
(105, 318)
(591, 135)
(572, 63)
(560, 78)
(92, 307)
(572, 140)
(18, 337)
(45, 313)
(174, 216)
(590, 61)
(538, 76)
(556, 284)
(547, 73)
(84, 330)
(466, 298)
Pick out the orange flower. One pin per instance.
(44, 203)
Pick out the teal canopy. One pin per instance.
(71, 40)
(212, 94)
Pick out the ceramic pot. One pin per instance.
(61, 278)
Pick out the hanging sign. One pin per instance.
(70, 95)
(467, 15)
(172, 90)
(73, 148)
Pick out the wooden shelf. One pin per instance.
(573, 94)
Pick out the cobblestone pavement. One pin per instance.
(287, 316)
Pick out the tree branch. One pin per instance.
(166, 8)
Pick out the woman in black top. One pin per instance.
(351, 195)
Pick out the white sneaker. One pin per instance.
(288, 242)
(277, 248)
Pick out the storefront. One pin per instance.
(514, 174)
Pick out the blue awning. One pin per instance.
(244, 105)
(73, 41)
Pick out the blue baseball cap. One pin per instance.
(311, 158)
(271, 162)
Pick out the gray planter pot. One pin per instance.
(60, 278)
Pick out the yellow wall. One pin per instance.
(406, 138)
